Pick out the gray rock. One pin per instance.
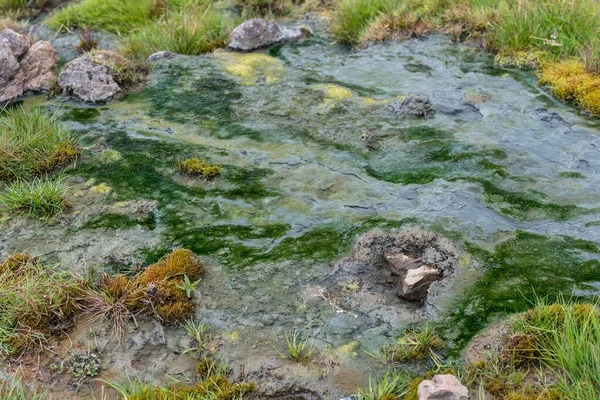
(161, 55)
(17, 43)
(442, 387)
(88, 81)
(400, 263)
(416, 105)
(38, 67)
(259, 33)
(416, 282)
(24, 68)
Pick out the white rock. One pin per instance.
(442, 387)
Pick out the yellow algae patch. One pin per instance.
(249, 67)
(234, 336)
(371, 101)
(349, 350)
(102, 188)
(334, 92)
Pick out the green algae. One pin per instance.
(121, 221)
(82, 115)
(528, 204)
(519, 270)
(571, 174)
(183, 95)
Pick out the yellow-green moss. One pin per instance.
(569, 81)
(249, 67)
(334, 92)
(520, 59)
(196, 167)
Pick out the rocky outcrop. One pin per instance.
(416, 105)
(24, 68)
(442, 387)
(258, 33)
(88, 81)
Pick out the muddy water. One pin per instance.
(312, 157)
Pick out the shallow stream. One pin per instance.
(312, 157)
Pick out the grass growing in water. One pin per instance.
(41, 198)
(33, 142)
(391, 386)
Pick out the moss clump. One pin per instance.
(570, 81)
(196, 167)
(158, 290)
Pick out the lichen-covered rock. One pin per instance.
(88, 81)
(442, 387)
(416, 105)
(24, 68)
(259, 33)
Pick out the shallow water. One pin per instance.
(312, 156)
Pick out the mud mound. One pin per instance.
(406, 262)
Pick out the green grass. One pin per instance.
(565, 336)
(13, 5)
(191, 29)
(40, 198)
(12, 388)
(413, 345)
(297, 346)
(115, 16)
(391, 386)
(351, 17)
(33, 142)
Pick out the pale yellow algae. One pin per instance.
(334, 92)
(249, 67)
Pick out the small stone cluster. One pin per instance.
(25, 67)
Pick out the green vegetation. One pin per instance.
(414, 345)
(298, 348)
(33, 142)
(40, 198)
(181, 26)
(125, 72)
(34, 299)
(264, 8)
(525, 33)
(564, 338)
(12, 388)
(391, 386)
(115, 16)
(193, 29)
(196, 167)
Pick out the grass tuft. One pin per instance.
(414, 345)
(391, 386)
(41, 198)
(298, 348)
(33, 142)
